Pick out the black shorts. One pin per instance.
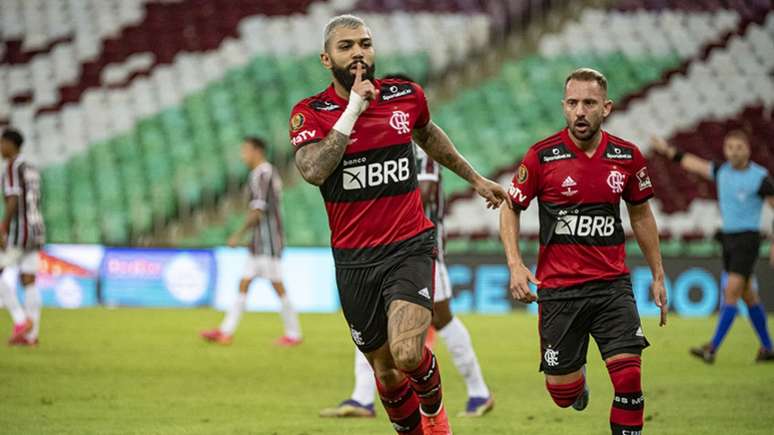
(406, 272)
(740, 252)
(608, 313)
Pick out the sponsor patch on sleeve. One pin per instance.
(643, 178)
(522, 174)
(296, 122)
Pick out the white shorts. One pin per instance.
(263, 266)
(443, 288)
(28, 262)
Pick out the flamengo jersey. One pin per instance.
(581, 236)
(266, 195)
(23, 180)
(372, 198)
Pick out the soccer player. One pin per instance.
(22, 234)
(264, 220)
(354, 141)
(742, 188)
(450, 328)
(579, 176)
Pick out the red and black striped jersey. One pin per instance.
(581, 235)
(372, 198)
(21, 179)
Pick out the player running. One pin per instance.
(579, 176)
(450, 328)
(265, 221)
(354, 140)
(22, 235)
(742, 187)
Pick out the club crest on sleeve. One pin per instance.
(296, 122)
(522, 173)
(643, 178)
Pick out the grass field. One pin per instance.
(135, 371)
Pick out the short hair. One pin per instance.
(740, 135)
(256, 142)
(347, 20)
(587, 75)
(14, 136)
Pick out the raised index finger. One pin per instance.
(359, 71)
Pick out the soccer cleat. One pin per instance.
(705, 353)
(19, 331)
(216, 336)
(23, 341)
(764, 355)
(478, 406)
(349, 408)
(286, 341)
(437, 424)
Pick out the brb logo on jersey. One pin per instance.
(400, 122)
(376, 174)
(584, 225)
(616, 181)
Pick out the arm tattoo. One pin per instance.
(440, 148)
(318, 160)
(407, 325)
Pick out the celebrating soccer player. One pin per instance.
(742, 187)
(353, 140)
(22, 234)
(579, 176)
(265, 222)
(450, 328)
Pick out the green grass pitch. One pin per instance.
(141, 371)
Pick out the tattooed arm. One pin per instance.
(440, 148)
(318, 160)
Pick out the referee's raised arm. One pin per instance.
(688, 161)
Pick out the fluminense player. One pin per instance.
(450, 328)
(579, 176)
(354, 141)
(22, 234)
(264, 221)
(742, 187)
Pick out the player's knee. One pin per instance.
(565, 395)
(625, 373)
(406, 358)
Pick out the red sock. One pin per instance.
(426, 382)
(565, 395)
(402, 407)
(628, 404)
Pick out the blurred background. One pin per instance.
(134, 111)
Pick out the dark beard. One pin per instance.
(590, 132)
(347, 79)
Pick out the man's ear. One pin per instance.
(325, 60)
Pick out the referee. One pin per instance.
(742, 187)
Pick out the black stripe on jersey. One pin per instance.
(372, 174)
(424, 243)
(583, 224)
(555, 153)
(618, 152)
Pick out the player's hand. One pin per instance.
(660, 146)
(233, 241)
(362, 92)
(493, 193)
(521, 276)
(660, 298)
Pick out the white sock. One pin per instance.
(290, 319)
(457, 340)
(11, 302)
(365, 384)
(32, 305)
(233, 314)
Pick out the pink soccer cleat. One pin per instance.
(286, 341)
(216, 336)
(437, 424)
(19, 331)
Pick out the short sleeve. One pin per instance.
(423, 111)
(304, 127)
(767, 186)
(11, 177)
(638, 187)
(525, 183)
(259, 190)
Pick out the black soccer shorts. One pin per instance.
(366, 291)
(740, 252)
(607, 312)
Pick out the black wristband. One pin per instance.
(678, 157)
